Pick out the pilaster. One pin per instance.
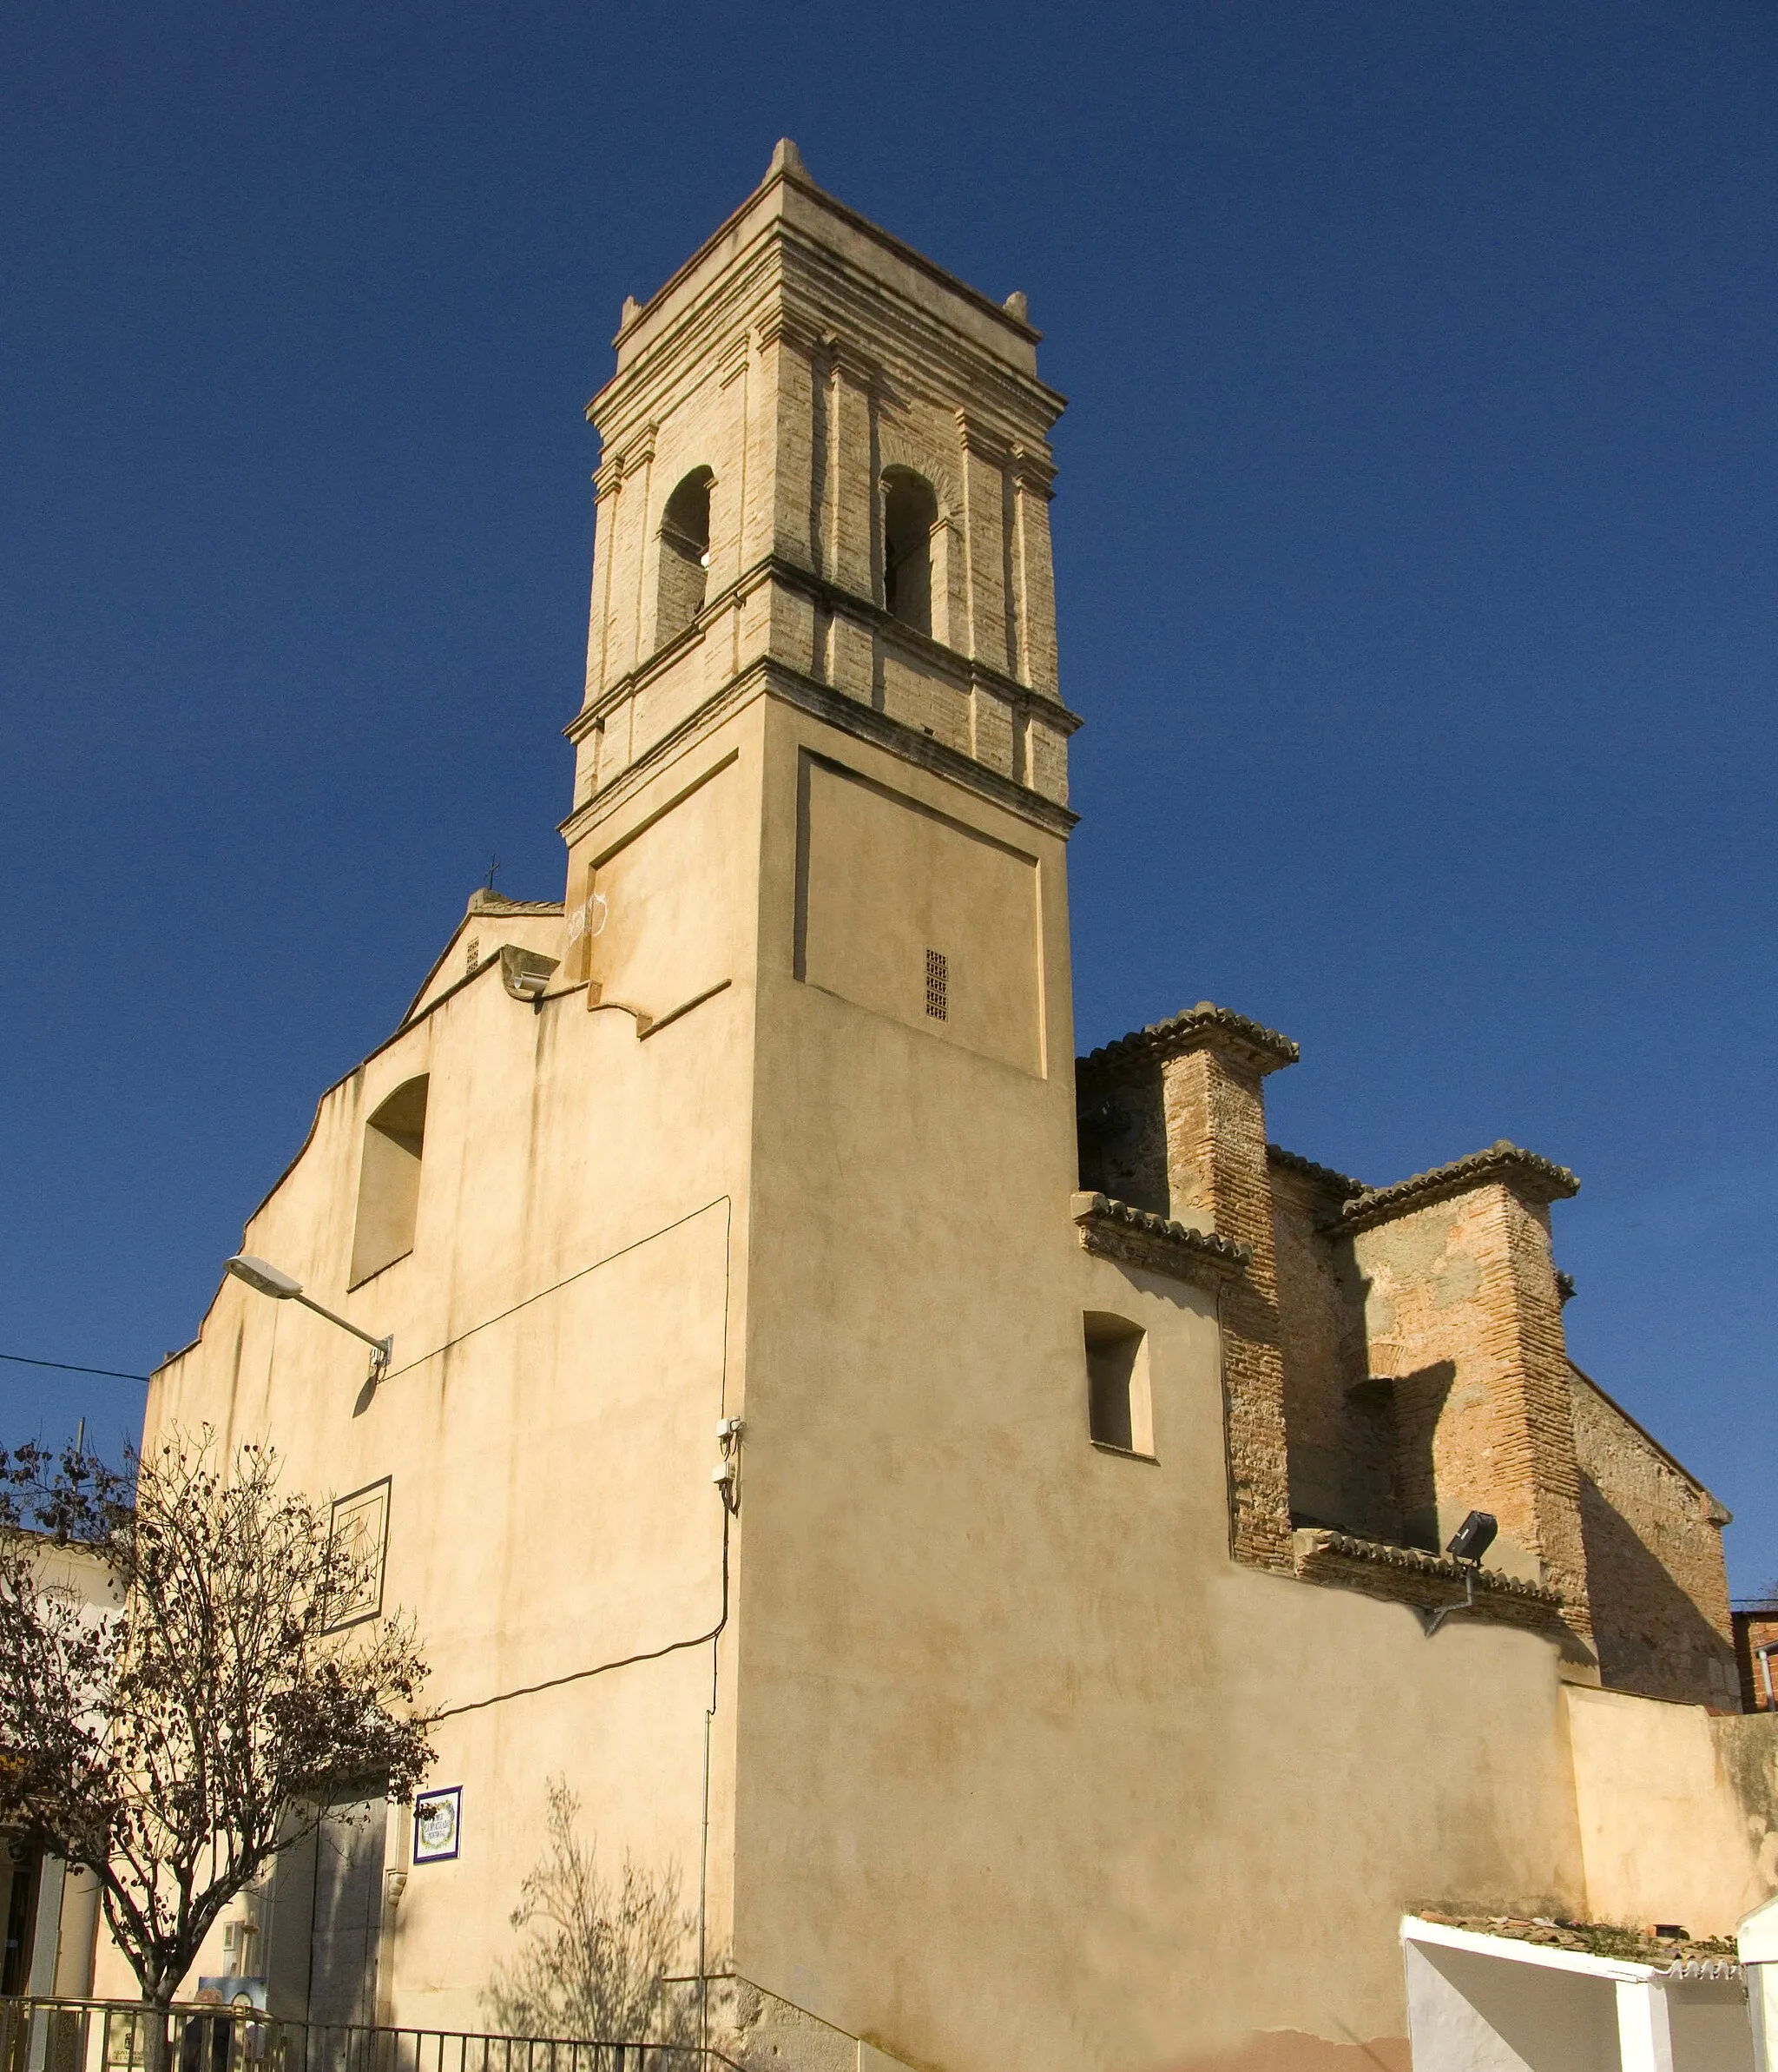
(1033, 480)
(985, 559)
(779, 445)
(1215, 1109)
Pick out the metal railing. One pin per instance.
(115, 2036)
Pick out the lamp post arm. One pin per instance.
(381, 1347)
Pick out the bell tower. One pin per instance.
(825, 466)
(818, 851)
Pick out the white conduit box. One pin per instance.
(1490, 2004)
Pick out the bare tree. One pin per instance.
(598, 1960)
(173, 1744)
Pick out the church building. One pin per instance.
(1049, 1577)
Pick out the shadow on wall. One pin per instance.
(1378, 1480)
(1420, 1401)
(1649, 1633)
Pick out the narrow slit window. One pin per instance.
(389, 1182)
(1119, 1412)
(937, 986)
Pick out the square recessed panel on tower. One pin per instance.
(903, 910)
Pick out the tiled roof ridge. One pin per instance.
(1163, 1037)
(1418, 1561)
(1503, 1158)
(1324, 1176)
(1230, 1252)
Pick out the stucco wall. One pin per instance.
(567, 1333)
(1678, 1810)
(1025, 1759)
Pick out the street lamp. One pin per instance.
(282, 1287)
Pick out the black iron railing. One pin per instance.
(114, 2036)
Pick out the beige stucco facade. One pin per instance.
(979, 1728)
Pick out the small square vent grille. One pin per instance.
(937, 986)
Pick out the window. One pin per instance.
(910, 512)
(685, 556)
(938, 984)
(389, 1182)
(1118, 1409)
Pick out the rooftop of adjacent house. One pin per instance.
(1661, 1943)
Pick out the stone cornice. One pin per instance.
(966, 672)
(1409, 1576)
(1532, 1179)
(1206, 1026)
(1034, 470)
(775, 263)
(925, 750)
(777, 679)
(974, 436)
(1133, 1237)
(778, 322)
(1320, 1176)
(791, 171)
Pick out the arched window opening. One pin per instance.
(910, 512)
(685, 555)
(389, 1182)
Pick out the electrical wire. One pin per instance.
(113, 1374)
(575, 1676)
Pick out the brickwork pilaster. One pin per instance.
(1533, 1354)
(852, 476)
(985, 544)
(780, 447)
(1034, 573)
(1218, 1180)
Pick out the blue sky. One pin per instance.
(1414, 537)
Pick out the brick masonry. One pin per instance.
(1395, 1358)
(1654, 1558)
(1180, 1129)
(1756, 1631)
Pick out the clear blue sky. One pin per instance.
(1414, 536)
